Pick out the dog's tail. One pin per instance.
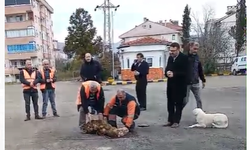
(225, 125)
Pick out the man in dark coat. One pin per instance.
(177, 74)
(141, 70)
(196, 73)
(91, 69)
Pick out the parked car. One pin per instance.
(239, 65)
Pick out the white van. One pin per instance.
(239, 65)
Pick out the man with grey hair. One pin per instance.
(125, 106)
(29, 79)
(90, 100)
(47, 88)
(195, 73)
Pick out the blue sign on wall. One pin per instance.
(21, 48)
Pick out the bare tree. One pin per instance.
(213, 38)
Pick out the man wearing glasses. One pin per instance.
(177, 74)
(47, 88)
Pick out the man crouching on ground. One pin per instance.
(90, 95)
(125, 106)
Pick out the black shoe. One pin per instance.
(27, 118)
(143, 109)
(38, 117)
(175, 125)
(56, 115)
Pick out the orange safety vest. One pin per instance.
(86, 87)
(51, 75)
(29, 78)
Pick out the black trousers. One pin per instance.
(175, 107)
(34, 96)
(140, 88)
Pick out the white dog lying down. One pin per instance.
(209, 120)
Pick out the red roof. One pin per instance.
(173, 26)
(146, 41)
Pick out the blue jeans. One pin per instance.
(48, 95)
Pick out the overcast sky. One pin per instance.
(130, 13)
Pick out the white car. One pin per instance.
(239, 65)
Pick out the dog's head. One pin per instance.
(197, 111)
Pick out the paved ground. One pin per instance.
(222, 94)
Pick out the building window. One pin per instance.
(173, 36)
(17, 18)
(128, 63)
(21, 48)
(22, 62)
(20, 33)
(149, 61)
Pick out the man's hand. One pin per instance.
(100, 116)
(51, 80)
(48, 80)
(136, 73)
(170, 74)
(203, 85)
(124, 128)
(31, 84)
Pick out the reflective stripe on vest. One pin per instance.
(29, 78)
(86, 87)
(51, 75)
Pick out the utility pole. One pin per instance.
(107, 39)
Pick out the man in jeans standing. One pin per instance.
(47, 87)
(196, 72)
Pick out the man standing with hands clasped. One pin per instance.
(176, 72)
(141, 69)
(47, 88)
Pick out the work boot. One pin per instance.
(56, 115)
(27, 118)
(38, 117)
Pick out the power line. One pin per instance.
(106, 8)
(108, 33)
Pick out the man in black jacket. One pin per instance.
(176, 72)
(141, 69)
(29, 79)
(91, 69)
(195, 72)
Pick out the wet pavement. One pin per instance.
(222, 94)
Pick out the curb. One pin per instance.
(218, 74)
(132, 82)
(156, 81)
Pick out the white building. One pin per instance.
(58, 50)
(228, 21)
(155, 30)
(151, 39)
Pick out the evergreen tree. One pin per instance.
(186, 23)
(81, 35)
(238, 32)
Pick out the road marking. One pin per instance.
(104, 148)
